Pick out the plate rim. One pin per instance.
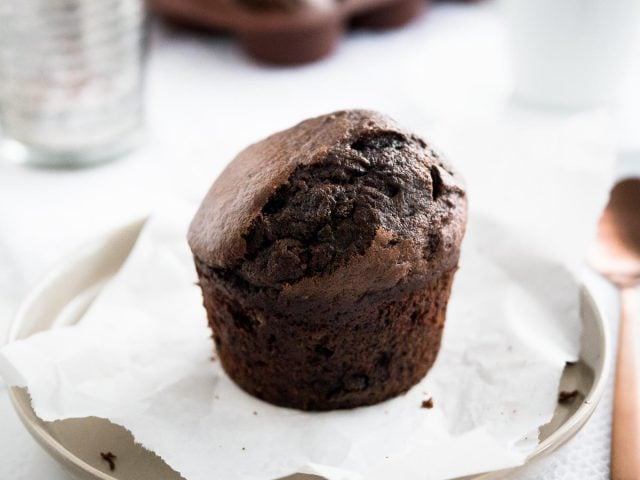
(77, 466)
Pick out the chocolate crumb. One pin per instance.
(255, 413)
(427, 403)
(566, 398)
(110, 458)
(243, 448)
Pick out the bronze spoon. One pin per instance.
(616, 255)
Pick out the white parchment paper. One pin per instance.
(141, 356)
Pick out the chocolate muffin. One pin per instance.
(326, 255)
(289, 32)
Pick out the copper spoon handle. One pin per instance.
(625, 441)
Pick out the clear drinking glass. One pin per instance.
(70, 80)
(570, 53)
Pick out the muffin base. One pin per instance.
(312, 355)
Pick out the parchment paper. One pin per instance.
(141, 356)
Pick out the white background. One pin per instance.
(449, 64)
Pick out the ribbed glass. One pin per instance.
(70, 79)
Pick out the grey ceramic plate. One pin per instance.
(65, 294)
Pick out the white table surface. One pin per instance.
(449, 63)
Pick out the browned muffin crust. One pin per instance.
(326, 254)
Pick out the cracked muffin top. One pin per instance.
(348, 196)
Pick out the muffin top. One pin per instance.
(342, 204)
